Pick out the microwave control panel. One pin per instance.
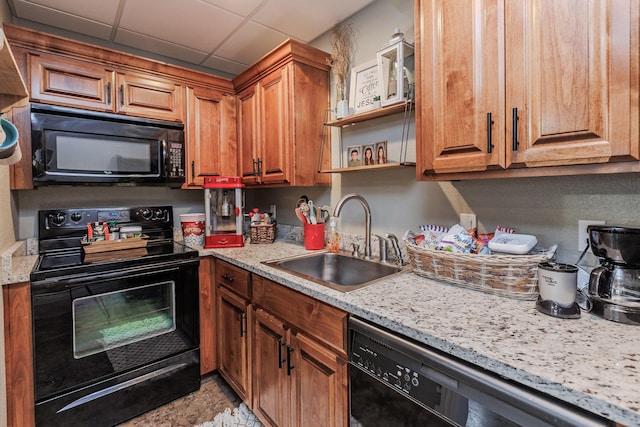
(175, 160)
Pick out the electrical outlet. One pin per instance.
(468, 221)
(583, 236)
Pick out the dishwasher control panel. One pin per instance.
(394, 369)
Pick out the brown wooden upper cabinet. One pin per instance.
(210, 135)
(519, 88)
(282, 101)
(76, 83)
(67, 72)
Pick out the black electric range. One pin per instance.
(61, 231)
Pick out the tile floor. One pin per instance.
(195, 408)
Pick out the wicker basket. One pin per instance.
(513, 276)
(263, 233)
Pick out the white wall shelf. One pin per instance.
(405, 107)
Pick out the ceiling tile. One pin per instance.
(243, 7)
(53, 18)
(312, 17)
(190, 23)
(100, 11)
(159, 47)
(230, 67)
(250, 43)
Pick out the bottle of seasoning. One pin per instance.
(331, 236)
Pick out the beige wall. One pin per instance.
(7, 236)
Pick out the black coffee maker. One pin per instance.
(614, 286)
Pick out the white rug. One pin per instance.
(238, 417)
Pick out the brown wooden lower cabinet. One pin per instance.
(284, 353)
(320, 387)
(233, 341)
(233, 286)
(297, 379)
(18, 355)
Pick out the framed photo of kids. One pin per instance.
(368, 155)
(354, 157)
(380, 154)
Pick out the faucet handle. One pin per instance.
(383, 248)
(396, 248)
(356, 250)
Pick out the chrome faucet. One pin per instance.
(367, 223)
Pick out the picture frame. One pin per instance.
(354, 156)
(368, 155)
(381, 153)
(364, 88)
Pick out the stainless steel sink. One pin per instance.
(337, 271)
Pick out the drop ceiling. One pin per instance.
(224, 36)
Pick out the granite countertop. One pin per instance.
(17, 262)
(589, 362)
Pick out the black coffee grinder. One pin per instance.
(614, 286)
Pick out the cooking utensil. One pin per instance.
(312, 213)
(323, 214)
(300, 215)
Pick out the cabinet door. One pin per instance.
(210, 135)
(20, 409)
(570, 74)
(233, 341)
(271, 381)
(70, 82)
(320, 392)
(208, 362)
(460, 68)
(248, 135)
(274, 139)
(147, 96)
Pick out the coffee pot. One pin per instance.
(614, 286)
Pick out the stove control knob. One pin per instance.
(146, 213)
(160, 214)
(76, 216)
(58, 218)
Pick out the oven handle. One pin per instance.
(117, 275)
(123, 273)
(114, 388)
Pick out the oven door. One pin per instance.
(88, 328)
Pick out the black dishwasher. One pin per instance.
(394, 381)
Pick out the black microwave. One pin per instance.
(72, 146)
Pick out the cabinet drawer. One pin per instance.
(233, 278)
(317, 319)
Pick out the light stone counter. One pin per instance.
(17, 262)
(589, 362)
